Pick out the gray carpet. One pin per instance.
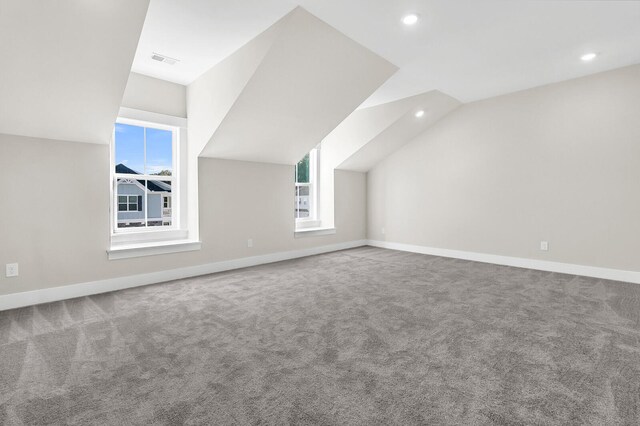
(363, 336)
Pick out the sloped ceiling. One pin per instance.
(213, 94)
(370, 134)
(468, 49)
(65, 65)
(306, 78)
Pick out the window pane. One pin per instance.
(159, 152)
(133, 204)
(157, 214)
(129, 147)
(302, 170)
(129, 216)
(122, 199)
(303, 191)
(302, 202)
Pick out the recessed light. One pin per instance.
(410, 19)
(419, 113)
(588, 57)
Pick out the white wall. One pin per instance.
(55, 214)
(151, 94)
(559, 163)
(65, 66)
(307, 78)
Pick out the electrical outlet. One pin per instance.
(382, 231)
(250, 242)
(11, 270)
(544, 245)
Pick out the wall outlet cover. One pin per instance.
(11, 270)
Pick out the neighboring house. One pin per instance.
(131, 201)
(302, 201)
(302, 206)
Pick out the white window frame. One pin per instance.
(128, 239)
(144, 177)
(183, 235)
(313, 221)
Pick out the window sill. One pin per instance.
(313, 232)
(146, 235)
(125, 251)
(307, 224)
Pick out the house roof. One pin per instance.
(152, 185)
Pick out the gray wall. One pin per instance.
(559, 163)
(55, 214)
(154, 206)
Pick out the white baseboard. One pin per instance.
(519, 262)
(35, 297)
(46, 295)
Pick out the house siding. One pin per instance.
(153, 203)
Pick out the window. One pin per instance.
(306, 189)
(129, 203)
(144, 178)
(150, 191)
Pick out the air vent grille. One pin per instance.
(162, 58)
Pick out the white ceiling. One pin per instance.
(468, 49)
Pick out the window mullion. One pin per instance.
(146, 202)
(142, 177)
(146, 182)
(144, 152)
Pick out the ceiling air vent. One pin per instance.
(161, 58)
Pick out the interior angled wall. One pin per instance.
(56, 218)
(154, 95)
(557, 163)
(55, 208)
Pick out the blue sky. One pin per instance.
(130, 148)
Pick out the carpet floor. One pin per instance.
(363, 336)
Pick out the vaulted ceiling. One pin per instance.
(267, 81)
(468, 49)
(65, 65)
(370, 134)
(279, 95)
